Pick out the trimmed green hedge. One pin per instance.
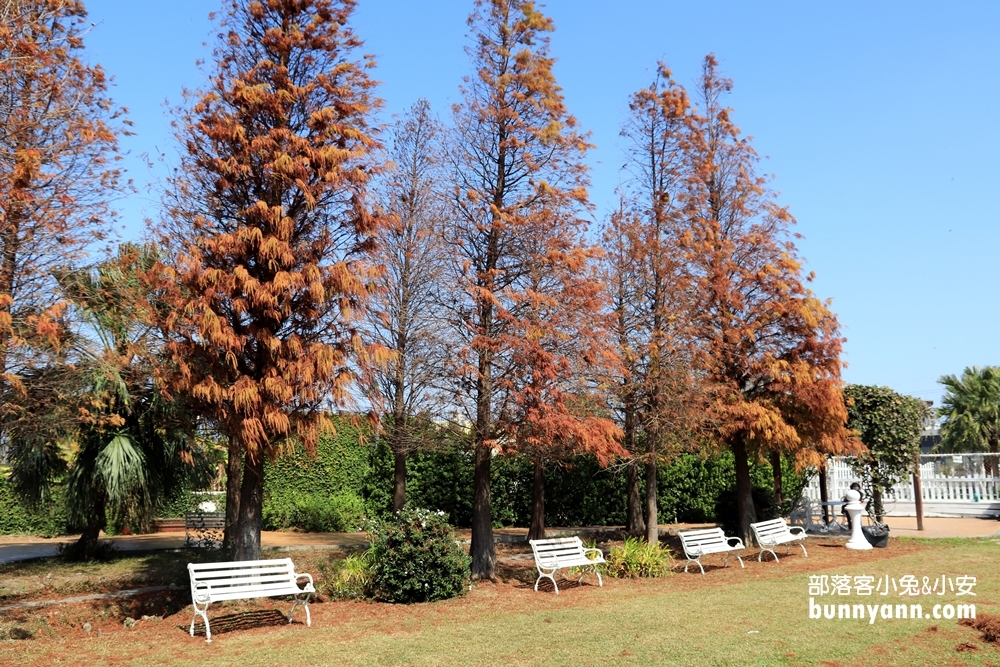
(689, 489)
(321, 492)
(16, 518)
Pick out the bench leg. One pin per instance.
(696, 561)
(770, 551)
(804, 552)
(305, 603)
(593, 568)
(549, 575)
(204, 615)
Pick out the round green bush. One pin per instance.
(414, 558)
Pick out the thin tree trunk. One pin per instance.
(779, 497)
(234, 477)
(652, 522)
(481, 548)
(745, 512)
(634, 523)
(399, 481)
(824, 495)
(247, 540)
(400, 439)
(537, 529)
(877, 503)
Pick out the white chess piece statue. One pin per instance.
(854, 509)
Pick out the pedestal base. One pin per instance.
(857, 541)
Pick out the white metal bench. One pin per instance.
(769, 534)
(557, 553)
(242, 580)
(704, 541)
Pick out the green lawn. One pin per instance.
(756, 616)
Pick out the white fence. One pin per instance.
(951, 485)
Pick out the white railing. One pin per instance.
(944, 478)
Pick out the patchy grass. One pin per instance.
(753, 616)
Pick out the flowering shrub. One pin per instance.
(414, 558)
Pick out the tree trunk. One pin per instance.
(745, 512)
(877, 503)
(399, 481)
(779, 497)
(537, 529)
(634, 523)
(652, 522)
(824, 495)
(234, 477)
(482, 549)
(96, 520)
(247, 539)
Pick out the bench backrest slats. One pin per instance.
(766, 529)
(232, 577)
(703, 538)
(550, 551)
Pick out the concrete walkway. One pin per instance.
(15, 548)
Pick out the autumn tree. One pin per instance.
(519, 184)
(622, 275)
(661, 398)
(271, 224)
(405, 316)
(561, 364)
(58, 148)
(772, 348)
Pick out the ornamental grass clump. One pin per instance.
(347, 578)
(638, 558)
(414, 558)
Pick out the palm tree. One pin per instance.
(123, 445)
(971, 413)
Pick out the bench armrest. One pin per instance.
(801, 533)
(200, 590)
(305, 576)
(600, 554)
(739, 543)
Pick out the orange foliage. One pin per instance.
(519, 191)
(270, 225)
(58, 145)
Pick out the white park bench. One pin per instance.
(242, 580)
(557, 553)
(704, 541)
(769, 534)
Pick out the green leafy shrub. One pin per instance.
(337, 513)
(347, 578)
(18, 518)
(638, 558)
(414, 558)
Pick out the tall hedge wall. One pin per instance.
(350, 476)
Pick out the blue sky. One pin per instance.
(878, 120)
